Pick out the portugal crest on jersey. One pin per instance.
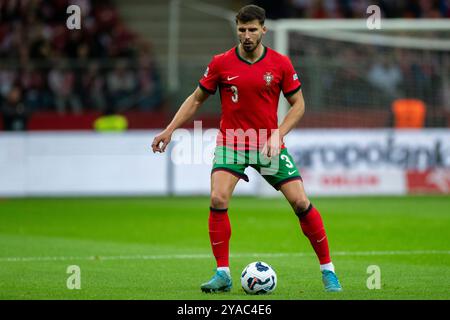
(268, 77)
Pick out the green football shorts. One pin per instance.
(275, 171)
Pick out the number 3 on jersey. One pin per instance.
(235, 96)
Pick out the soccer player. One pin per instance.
(250, 78)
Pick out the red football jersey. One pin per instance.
(249, 95)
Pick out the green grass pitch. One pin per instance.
(158, 248)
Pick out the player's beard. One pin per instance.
(250, 48)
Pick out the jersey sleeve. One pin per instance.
(290, 83)
(210, 79)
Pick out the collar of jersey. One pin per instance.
(248, 62)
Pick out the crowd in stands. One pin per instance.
(340, 74)
(347, 75)
(44, 66)
(107, 68)
(347, 9)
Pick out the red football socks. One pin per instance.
(310, 222)
(219, 235)
(312, 227)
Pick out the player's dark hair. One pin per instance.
(250, 13)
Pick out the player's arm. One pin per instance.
(294, 114)
(186, 111)
(273, 146)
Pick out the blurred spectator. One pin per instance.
(36, 94)
(445, 91)
(7, 79)
(149, 86)
(15, 114)
(314, 9)
(75, 41)
(122, 84)
(421, 73)
(93, 88)
(426, 9)
(62, 83)
(352, 88)
(386, 75)
(120, 47)
(408, 113)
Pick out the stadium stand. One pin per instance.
(52, 78)
(349, 9)
(55, 78)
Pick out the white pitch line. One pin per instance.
(208, 256)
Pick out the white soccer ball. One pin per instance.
(258, 278)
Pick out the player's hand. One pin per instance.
(273, 146)
(161, 141)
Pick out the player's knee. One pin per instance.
(219, 200)
(301, 206)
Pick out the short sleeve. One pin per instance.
(290, 83)
(210, 79)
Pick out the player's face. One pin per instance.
(250, 34)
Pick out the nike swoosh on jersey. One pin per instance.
(291, 172)
(232, 78)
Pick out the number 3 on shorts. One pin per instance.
(289, 163)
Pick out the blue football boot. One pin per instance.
(220, 282)
(330, 281)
